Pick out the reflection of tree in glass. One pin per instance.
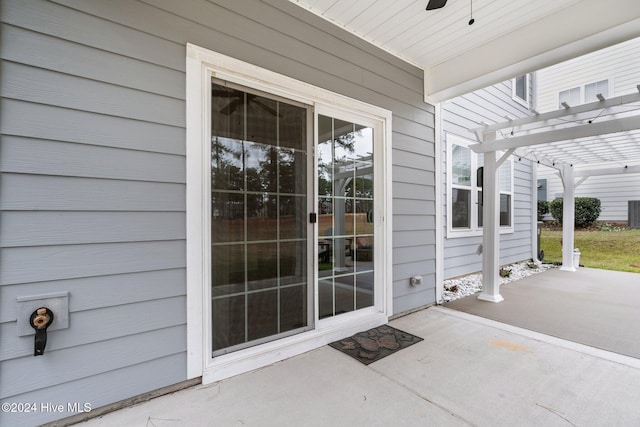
(324, 185)
(264, 176)
(226, 156)
(261, 205)
(287, 172)
(345, 142)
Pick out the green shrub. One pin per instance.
(543, 209)
(587, 211)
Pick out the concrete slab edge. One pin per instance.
(549, 339)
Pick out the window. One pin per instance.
(520, 90)
(570, 97)
(463, 219)
(593, 89)
(461, 186)
(583, 94)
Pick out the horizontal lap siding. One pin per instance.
(613, 191)
(92, 196)
(619, 65)
(489, 105)
(92, 193)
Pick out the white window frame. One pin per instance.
(583, 90)
(524, 102)
(474, 229)
(202, 65)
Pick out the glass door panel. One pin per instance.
(259, 218)
(345, 216)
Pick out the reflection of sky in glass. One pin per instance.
(254, 154)
(229, 150)
(362, 148)
(461, 165)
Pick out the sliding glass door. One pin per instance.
(263, 243)
(345, 216)
(260, 264)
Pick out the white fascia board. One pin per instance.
(581, 28)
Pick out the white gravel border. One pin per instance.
(467, 285)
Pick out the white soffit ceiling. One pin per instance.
(508, 38)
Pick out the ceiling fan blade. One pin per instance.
(436, 4)
(266, 107)
(231, 107)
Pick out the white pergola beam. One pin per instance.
(504, 157)
(567, 114)
(607, 171)
(565, 134)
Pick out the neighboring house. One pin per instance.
(613, 71)
(158, 169)
(462, 194)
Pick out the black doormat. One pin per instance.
(376, 343)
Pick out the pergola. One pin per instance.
(595, 139)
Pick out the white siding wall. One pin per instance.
(614, 192)
(620, 64)
(488, 105)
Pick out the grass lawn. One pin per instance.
(609, 250)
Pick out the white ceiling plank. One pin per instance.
(345, 12)
(490, 24)
(376, 16)
(412, 17)
(317, 6)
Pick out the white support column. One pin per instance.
(490, 230)
(568, 214)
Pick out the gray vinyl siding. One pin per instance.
(489, 105)
(92, 192)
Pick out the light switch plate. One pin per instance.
(57, 302)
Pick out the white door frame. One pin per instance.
(202, 65)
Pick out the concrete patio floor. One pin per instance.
(598, 308)
(467, 371)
